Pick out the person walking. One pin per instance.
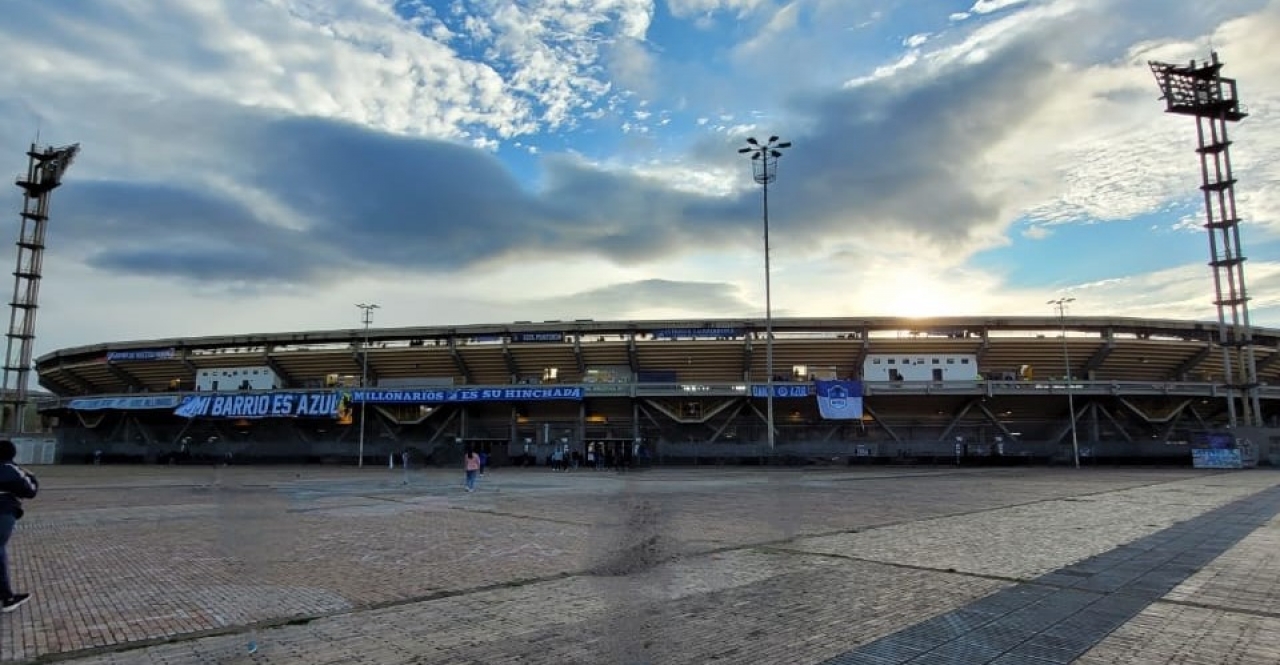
(16, 484)
(472, 464)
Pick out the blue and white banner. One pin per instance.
(262, 405)
(433, 396)
(124, 403)
(781, 390)
(141, 354)
(839, 400)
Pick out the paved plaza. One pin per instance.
(312, 565)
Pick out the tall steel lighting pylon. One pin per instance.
(45, 167)
(764, 168)
(366, 317)
(1200, 91)
(1061, 304)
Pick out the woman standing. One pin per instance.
(472, 464)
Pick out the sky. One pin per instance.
(265, 165)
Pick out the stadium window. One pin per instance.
(964, 361)
(951, 361)
(875, 361)
(937, 361)
(891, 361)
(550, 374)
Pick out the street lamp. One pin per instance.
(1061, 304)
(764, 167)
(367, 317)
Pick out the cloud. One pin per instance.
(694, 8)
(500, 70)
(333, 154)
(655, 298)
(917, 40)
(981, 7)
(946, 155)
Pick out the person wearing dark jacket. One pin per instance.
(16, 484)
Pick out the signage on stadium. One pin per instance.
(262, 405)
(537, 337)
(141, 354)
(123, 403)
(782, 390)
(673, 333)
(466, 395)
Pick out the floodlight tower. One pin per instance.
(764, 169)
(366, 318)
(45, 167)
(1061, 304)
(1199, 90)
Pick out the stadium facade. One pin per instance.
(949, 390)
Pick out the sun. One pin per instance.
(922, 296)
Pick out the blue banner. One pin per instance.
(839, 400)
(262, 405)
(141, 354)
(432, 396)
(537, 337)
(1216, 458)
(781, 390)
(672, 333)
(124, 403)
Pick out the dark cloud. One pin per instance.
(156, 229)
(713, 298)
(392, 200)
(883, 157)
(876, 157)
(629, 218)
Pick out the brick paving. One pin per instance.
(187, 565)
(1057, 617)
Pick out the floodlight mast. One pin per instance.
(367, 319)
(764, 168)
(45, 168)
(1061, 304)
(1199, 90)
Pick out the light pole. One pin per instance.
(367, 318)
(764, 168)
(1061, 304)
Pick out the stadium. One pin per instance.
(953, 390)
(959, 390)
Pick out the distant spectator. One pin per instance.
(471, 462)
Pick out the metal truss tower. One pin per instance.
(44, 173)
(1200, 91)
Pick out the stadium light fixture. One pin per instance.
(764, 168)
(1061, 304)
(367, 319)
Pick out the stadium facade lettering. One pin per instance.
(123, 403)
(783, 390)
(141, 354)
(466, 395)
(536, 337)
(260, 405)
(674, 333)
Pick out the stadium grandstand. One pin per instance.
(964, 390)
